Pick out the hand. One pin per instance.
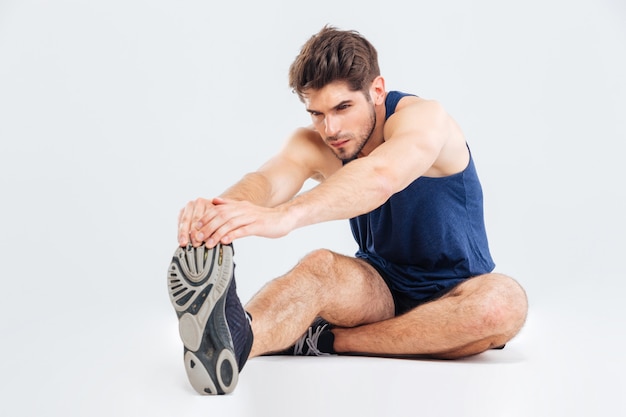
(188, 221)
(224, 220)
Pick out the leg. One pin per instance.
(343, 290)
(481, 313)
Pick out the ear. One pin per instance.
(377, 91)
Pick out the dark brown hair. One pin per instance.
(334, 55)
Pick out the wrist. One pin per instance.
(294, 214)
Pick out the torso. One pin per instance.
(431, 235)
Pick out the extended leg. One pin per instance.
(345, 291)
(481, 313)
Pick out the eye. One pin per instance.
(343, 107)
(316, 116)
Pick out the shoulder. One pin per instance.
(306, 147)
(427, 126)
(416, 113)
(408, 104)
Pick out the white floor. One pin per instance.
(115, 360)
(112, 350)
(115, 113)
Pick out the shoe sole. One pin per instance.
(198, 280)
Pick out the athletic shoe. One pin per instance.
(213, 325)
(316, 341)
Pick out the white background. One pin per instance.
(114, 114)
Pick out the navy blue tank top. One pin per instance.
(429, 236)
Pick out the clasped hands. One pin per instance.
(222, 220)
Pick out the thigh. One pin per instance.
(355, 292)
(492, 285)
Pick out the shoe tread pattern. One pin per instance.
(198, 280)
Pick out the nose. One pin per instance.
(331, 127)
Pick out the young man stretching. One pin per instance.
(399, 168)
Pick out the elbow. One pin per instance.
(385, 186)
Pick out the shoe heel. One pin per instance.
(226, 371)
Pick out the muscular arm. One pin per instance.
(282, 177)
(417, 134)
(276, 182)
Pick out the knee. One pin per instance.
(318, 265)
(505, 307)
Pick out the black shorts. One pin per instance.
(405, 302)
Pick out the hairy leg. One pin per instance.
(345, 291)
(479, 314)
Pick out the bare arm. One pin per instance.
(417, 134)
(276, 182)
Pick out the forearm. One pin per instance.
(356, 189)
(253, 187)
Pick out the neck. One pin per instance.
(377, 138)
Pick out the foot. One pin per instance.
(316, 341)
(212, 323)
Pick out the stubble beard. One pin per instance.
(364, 137)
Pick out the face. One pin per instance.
(344, 119)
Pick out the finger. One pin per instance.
(213, 218)
(220, 223)
(219, 200)
(183, 224)
(232, 229)
(238, 233)
(212, 232)
(200, 207)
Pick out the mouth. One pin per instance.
(339, 143)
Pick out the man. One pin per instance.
(399, 168)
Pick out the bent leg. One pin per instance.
(343, 290)
(479, 314)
